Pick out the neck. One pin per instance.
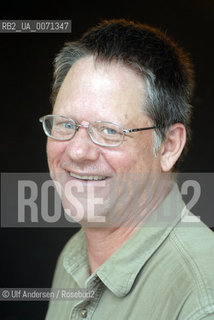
(102, 242)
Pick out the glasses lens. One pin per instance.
(106, 133)
(60, 128)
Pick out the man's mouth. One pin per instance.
(90, 178)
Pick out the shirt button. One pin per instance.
(83, 313)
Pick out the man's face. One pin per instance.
(109, 92)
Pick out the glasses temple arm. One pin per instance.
(139, 129)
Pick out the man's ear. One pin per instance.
(172, 146)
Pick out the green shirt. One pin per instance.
(164, 271)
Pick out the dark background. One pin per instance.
(28, 256)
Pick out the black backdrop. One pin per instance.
(28, 256)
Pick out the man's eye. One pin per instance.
(64, 125)
(68, 125)
(109, 131)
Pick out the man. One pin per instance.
(120, 124)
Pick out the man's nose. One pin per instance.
(81, 147)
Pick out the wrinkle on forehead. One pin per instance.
(107, 86)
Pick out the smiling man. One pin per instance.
(119, 125)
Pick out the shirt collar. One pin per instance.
(118, 273)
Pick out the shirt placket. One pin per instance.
(86, 308)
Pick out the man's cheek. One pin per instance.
(52, 159)
(54, 149)
(51, 147)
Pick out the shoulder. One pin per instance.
(73, 245)
(193, 246)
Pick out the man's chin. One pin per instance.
(82, 214)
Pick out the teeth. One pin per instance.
(87, 177)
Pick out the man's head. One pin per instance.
(164, 66)
(131, 75)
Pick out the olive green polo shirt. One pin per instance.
(164, 271)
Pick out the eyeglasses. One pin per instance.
(103, 133)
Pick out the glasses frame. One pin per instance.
(77, 126)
